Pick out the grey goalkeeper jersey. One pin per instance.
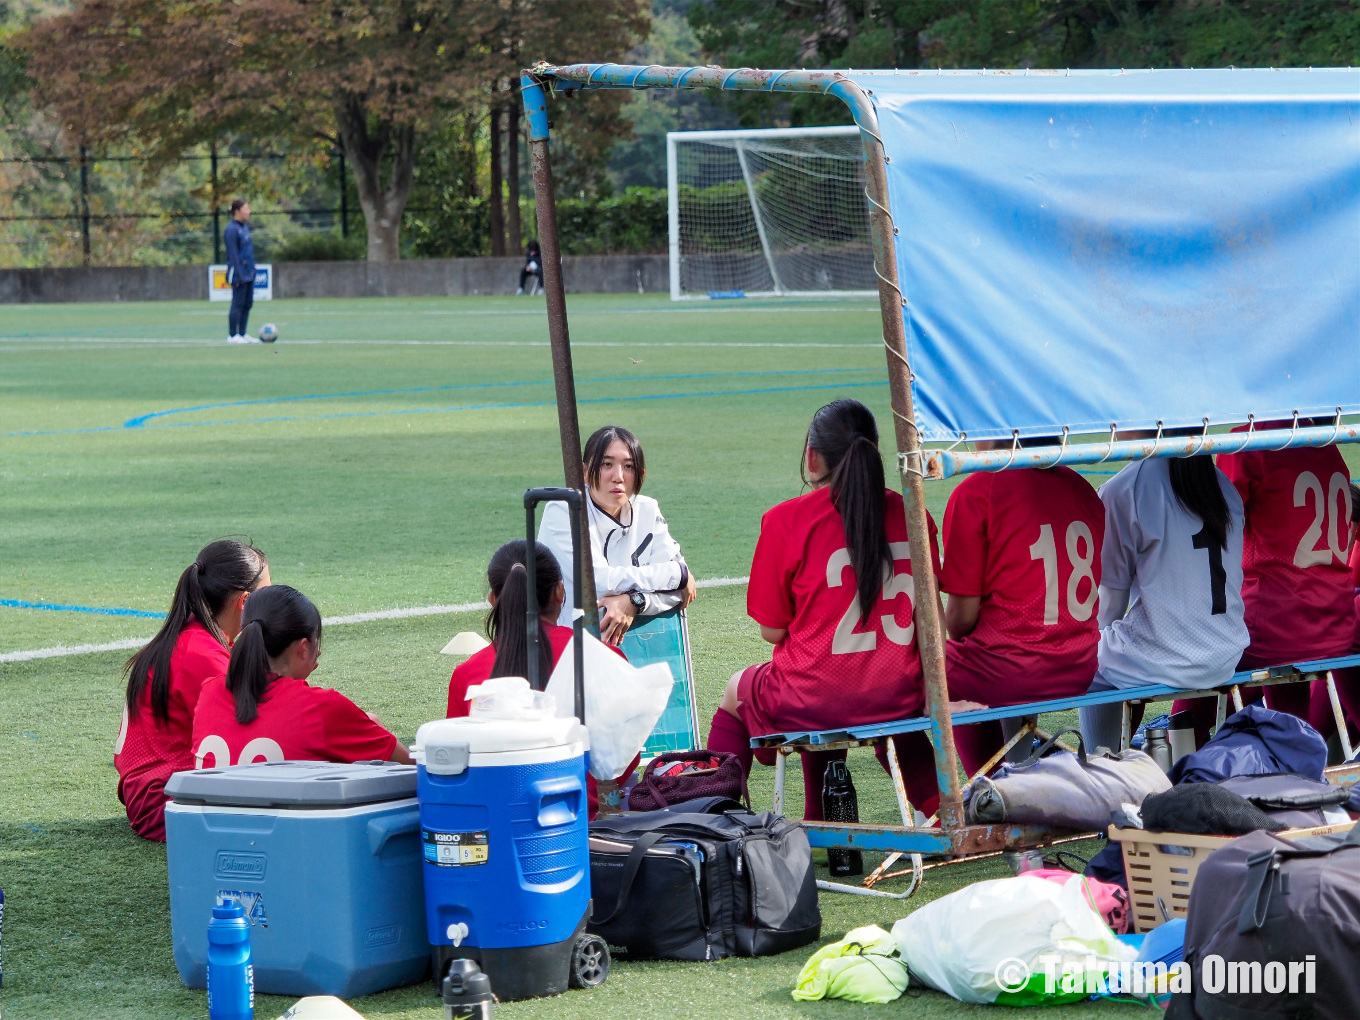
(1185, 624)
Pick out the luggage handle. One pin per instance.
(630, 869)
(1081, 748)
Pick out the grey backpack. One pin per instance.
(1274, 931)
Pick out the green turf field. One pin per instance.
(377, 454)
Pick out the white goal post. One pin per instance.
(773, 212)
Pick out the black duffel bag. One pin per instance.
(1273, 931)
(669, 885)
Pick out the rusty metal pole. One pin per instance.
(536, 108)
(929, 625)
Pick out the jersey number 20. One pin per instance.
(259, 749)
(846, 638)
(1334, 510)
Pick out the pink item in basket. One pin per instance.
(1110, 900)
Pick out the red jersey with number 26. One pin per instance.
(296, 722)
(1027, 542)
(1296, 584)
(831, 670)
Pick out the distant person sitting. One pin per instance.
(240, 272)
(533, 267)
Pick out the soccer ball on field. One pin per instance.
(269, 333)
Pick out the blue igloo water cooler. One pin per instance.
(504, 831)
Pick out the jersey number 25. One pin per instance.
(846, 638)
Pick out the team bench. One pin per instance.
(975, 841)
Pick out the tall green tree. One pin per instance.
(1014, 33)
(371, 76)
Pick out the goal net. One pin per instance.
(769, 212)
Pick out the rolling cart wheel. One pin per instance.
(589, 962)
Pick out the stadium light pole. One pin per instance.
(928, 613)
(545, 207)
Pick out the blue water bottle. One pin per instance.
(231, 978)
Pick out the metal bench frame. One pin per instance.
(977, 841)
(955, 838)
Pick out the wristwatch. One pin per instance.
(638, 599)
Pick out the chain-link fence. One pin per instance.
(116, 209)
(111, 209)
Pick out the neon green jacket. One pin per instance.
(862, 967)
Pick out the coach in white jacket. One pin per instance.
(639, 570)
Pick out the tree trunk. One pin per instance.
(515, 240)
(497, 176)
(365, 150)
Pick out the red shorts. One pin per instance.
(758, 707)
(750, 705)
(144, 797)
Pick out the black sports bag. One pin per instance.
(1273, 931)
(679, 886)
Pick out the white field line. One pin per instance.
(33, 343)
(63, 651)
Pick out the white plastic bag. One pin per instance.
(996, 941)
(623, 702)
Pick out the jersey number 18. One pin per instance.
(1082, 563)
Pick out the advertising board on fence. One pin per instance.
(220, 290)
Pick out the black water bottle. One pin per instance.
(839, 804)
(467, 992)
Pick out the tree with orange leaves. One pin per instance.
(368, 75)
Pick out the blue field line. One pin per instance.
(141, 420)
(515, 406)
(97, 610)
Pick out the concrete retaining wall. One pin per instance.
(584, 274)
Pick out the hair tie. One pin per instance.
(201, 567)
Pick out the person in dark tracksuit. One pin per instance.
(240, 272)
(533, 266)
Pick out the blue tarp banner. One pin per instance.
(1103, 247)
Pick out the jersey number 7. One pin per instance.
(846, 638)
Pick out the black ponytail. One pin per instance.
(223, 569)
(1194, 481)
(274, 618)
(505, 623)
(845, 435)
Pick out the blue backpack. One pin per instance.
(1255, 742)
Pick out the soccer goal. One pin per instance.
(768, 212)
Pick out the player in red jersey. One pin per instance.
(1347, 680)
(165, 677)
(1296, 585)
(831, 587)
(508, 653)
(264, 709)
(1022, 571)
